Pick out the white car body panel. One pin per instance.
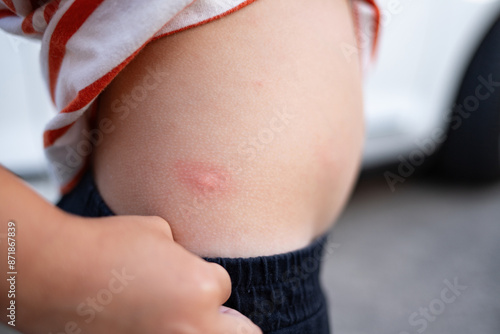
(425, 48)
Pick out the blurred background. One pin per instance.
(418, 248)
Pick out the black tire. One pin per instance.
(472, 149)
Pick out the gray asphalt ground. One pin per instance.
(395, 254)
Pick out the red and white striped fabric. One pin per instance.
(82, 53)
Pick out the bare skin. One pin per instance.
(244, 134)
(65, 262)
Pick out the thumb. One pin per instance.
(233, 322)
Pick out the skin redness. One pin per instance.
(204, 179)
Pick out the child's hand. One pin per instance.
(125, 274)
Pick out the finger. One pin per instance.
(163, 225)
(232, 312)
(233, 322)
(223, 281)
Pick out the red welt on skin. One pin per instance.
(203, 178)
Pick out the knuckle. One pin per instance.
(205, 284)
(208, 290)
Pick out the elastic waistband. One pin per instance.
(278, 291)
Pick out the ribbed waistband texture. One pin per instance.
(280, 291)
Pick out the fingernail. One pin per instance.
(230, 311)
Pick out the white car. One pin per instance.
(433, 93)
(432, 55)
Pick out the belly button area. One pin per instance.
(203, 179)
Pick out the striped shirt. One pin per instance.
(82, 53)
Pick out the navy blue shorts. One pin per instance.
(280, 293)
